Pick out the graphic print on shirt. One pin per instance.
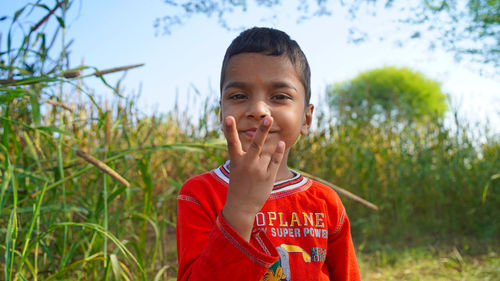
(308, 225)
(280, 271)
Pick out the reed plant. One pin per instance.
(88, 187)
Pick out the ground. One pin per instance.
(429, 264)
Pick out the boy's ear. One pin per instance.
(306, 124)
(220, 111)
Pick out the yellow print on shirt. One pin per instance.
(277, 275)
(280, 271)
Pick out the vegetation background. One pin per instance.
(88, 186)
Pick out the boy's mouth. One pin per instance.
(251, 132)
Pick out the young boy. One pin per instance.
(253, 218)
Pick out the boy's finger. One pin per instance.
(260, 136)
(231, 134)
(276, 158)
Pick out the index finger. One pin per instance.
(232, 138)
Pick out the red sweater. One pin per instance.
(301, 233)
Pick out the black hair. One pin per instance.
(271, 42)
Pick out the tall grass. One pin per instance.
(88, 190)
(88, 186)
(431, 181)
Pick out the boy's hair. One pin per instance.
(271, 42)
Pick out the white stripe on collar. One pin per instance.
(219, 172)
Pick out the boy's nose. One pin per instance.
(258, 110)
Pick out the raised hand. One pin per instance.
(252, 176)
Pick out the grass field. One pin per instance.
(430, 264)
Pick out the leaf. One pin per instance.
(160, 273)
(18, 13)
(36, 213)
(11, 94)
(9, 41)
(61, 22)
(74, 265)
(43, 6)
(52, 207)
(35, 109)
(487, 186)
(10, 242)
(6, 127)
(30, 174)
(103, 232)
(115, 265)
(188, 148)
(22, 71)
(19, 274)
(35, 80)
(215, 142)
(52, 130)
(157, 236)
(6, 175)
(105, 276)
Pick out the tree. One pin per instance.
(388, 93)
(182, 10)
(468, 28)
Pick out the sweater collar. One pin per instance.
(296, 181)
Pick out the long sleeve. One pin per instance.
(208, 247)
(341, 258)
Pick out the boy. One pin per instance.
(253, 218)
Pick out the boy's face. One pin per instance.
(258, 85)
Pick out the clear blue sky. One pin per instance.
(120, 32)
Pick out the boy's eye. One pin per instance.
(237, 96)
(281, 96)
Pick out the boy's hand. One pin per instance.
(252, 175)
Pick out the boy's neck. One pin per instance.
(284, 172)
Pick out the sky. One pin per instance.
(183, 67)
